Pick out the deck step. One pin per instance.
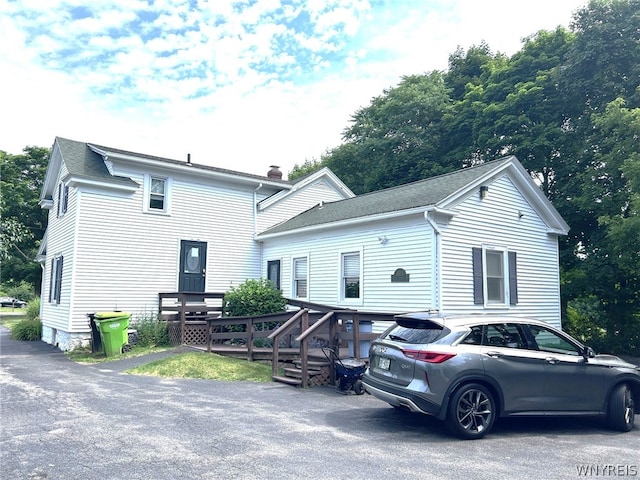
(312, 363)
(297, 373)
(288, 380)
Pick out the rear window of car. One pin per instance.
(412, 331)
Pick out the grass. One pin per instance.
(182, 365)
(206, 366)
(85, 355)
(10, 321)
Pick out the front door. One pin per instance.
(193, 264)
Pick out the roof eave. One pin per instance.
(78, 181)
(343, 223)
(190, 168)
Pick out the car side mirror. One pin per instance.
(588, 352)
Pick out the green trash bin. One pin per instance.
(113, 328)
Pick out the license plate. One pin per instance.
(383, 363)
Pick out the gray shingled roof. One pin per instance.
(422, 193)
(196, 166)
(82, 162)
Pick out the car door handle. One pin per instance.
(494, 354)
(552, 360)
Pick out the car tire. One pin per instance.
(472, 411)
(621, 413)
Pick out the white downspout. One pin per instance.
(436, 271)
(255, 209)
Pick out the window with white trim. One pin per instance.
(55, 280)
(350, 276)
(495, 280)
(157, 194)
(300, 277)
(63, 198)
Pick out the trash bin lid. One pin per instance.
(111, 315)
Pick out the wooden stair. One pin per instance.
(318, 373)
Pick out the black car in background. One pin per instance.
(12, 302)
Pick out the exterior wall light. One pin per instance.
(484, 191)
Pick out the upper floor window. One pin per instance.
(63, 198)
(55, 280)
(300, 277)
(351, 278)
(495, 280)
(157, 194)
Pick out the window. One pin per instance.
(273, 272)
(549, 341)
(55, 281)
(300, 277)
(504, 335)
(350, 283)
(157, 194)
(495, 280)
(63, 198)
(494, 276)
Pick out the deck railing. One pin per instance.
(292, 329)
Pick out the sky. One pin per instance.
(240, 84)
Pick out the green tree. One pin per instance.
(608, 265)
(396, 139)
(23, 221)
(604, 61)
(307, 168)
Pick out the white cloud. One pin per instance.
(240, 88)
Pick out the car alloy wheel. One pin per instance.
(472, 411)
(621, 408)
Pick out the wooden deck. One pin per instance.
(288, 340)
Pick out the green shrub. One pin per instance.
(23, 291)
(152, 332)
(27, 330)
(253, 297)
(33, 309)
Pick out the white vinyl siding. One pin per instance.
(506, 220)
(61, 231)
(409, 246)
(126, 257)
(295, 203)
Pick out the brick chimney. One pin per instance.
(274, 173)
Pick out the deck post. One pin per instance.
(356, 336)
(304, 351)
(209, 335)
(334, 344)
(250, 324)
(183, 317)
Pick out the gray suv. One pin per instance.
(469, 370)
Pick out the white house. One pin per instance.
(482, 239)
(125, 226)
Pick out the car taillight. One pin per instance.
(427, 356)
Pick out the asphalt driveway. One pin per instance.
(62, 420)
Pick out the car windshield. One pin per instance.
(412, 331)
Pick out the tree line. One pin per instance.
(567, 104)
